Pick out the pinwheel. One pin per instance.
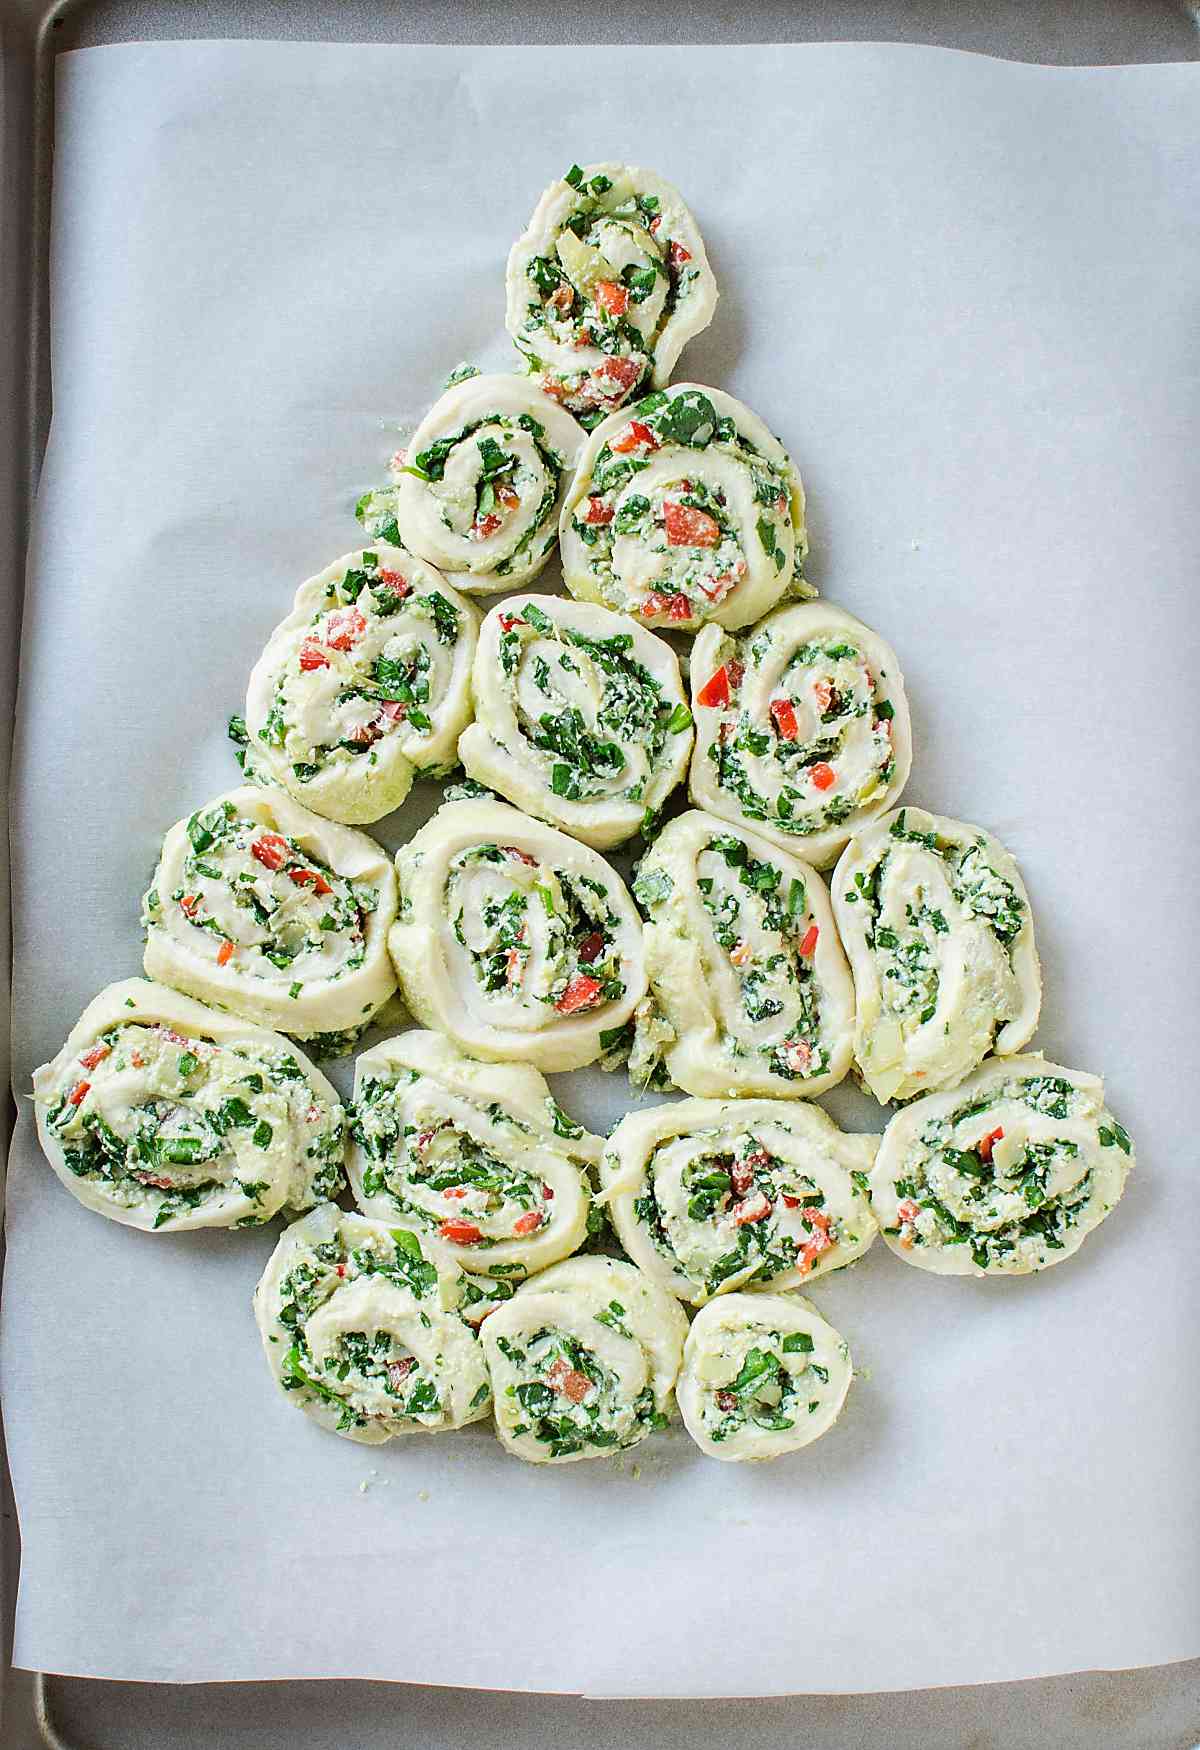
(750, 991)
(517, 942)
(580, 717)
(936, 923)
(160, 1113)
(582, 1361)
(364, 686)
(478, 1155)
(763, 1375)
(360, 1329)
(802, 728)
(261, 907)
(685, 509)
(1006, 1174)
(479, 489)
(708, 1196)
(606, 284)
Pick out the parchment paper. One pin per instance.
(964, 294)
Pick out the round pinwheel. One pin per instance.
(261, 907)
(1006, 1174)
(762, 1375)
(478, 1155)
(361, 1330)
(708, 1196)
(517, 942)
(685, 509)
(749, 989)
(936, 923)
(580, 717)
(479, 489)
(582, 1361)
(364, 686)
(802, 728)
(162, 1114)
(607, 283)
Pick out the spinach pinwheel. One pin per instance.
(685, 509)
(605, 286)
(259, 906)
(582, 1361)
(163, 1114)
(364, 686)
(708, 1195)
(477, 1155)
(479, 488)
(361, 1330)
(1006, 1174)
(802, 728)
(762, 1376)
(936, 923)
(749, 989)
(580, 717)
(517, 942)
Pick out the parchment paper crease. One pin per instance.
(964, 294)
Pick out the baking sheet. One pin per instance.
(962, 293)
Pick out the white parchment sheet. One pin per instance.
(964, 294)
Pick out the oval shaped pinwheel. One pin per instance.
(479, 489)
(360, 1329)
(708, 1195)
(365, 686)
(163, 1114)
(478, 1155)
(264, 908)
(517, 942)
(582, 1361)
(685, 509)
(605, 286)
(1006, 1174)
(749, 989)
(762, 1376)
(936, 923)
(802, 728)
(580, 717)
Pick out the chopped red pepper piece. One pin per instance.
(715, 690)
(528, 1223)
(741, 1177)
(78, 1093)
(591, 946)
(582, 993)
(688, 527)
(783, 716)
(824, 693)
(460, 1233)
(96, 1055)
(189, 904)
(270, 849)
(398, 585)
(395, 710)
(568, 1382)
(755, 1208)
(621, 373)
(519, 856)
(797, 1053)
(224, 953)
(808, 945)
(612, 297)
(823, 776)
(484, 527)
(507, 621)
(506, 495)
(727, 1400)
(675, 607)
(677, 254)
(598, 511)
(344, 628)
(310, 878)
(984, 1149)
(312, 656)
(637, 435)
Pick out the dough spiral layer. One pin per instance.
(364, 686)
(161, 1113)
(707, 1196)
(515, 941)
(936, 923)
(582, 1361)
(606, 284)
(1004, 1175)
(749, 989)
(580, 717)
